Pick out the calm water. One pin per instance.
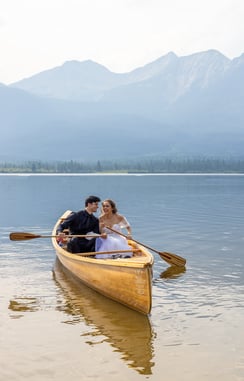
(51, 328)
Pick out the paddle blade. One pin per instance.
(172, 259)
(19, 236)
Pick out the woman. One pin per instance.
(112, 219)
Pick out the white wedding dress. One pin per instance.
(113, 242)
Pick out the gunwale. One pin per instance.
(127, 281)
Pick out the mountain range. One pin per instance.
(191, 105)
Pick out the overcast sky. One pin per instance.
(122, 35)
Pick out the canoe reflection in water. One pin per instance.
(128, 331)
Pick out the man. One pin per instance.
(82, 222)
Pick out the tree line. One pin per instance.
(154, 165)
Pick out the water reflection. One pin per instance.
(127, 331)
(23, 304)
(173, 272)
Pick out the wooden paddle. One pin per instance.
(170, 258)
(92, 253)
(19, 236)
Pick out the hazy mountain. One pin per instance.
(72, 81)
(34, 128)
(81, 110)
(87, 80)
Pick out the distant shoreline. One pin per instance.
(139, 166)
(123, 174)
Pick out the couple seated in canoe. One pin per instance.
(85, 223)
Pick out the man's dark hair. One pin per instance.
(92, 199)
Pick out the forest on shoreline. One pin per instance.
(153, 165)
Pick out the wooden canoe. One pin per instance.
(125, 280)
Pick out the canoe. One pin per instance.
(128, 332)
(125, 280)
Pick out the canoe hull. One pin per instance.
(127, 281)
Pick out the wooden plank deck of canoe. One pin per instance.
(125, 280)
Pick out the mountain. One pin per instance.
(34, 128)
(73, 80)
(89, 81)
(189, 105)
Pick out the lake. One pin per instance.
(52, 328)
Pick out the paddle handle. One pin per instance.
(123, 235)
(73, 236)
(170, 258)
(21, 236)
(107, 252)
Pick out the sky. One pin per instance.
(37, 35)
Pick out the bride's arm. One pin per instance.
(125, 224)
(102, 229)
